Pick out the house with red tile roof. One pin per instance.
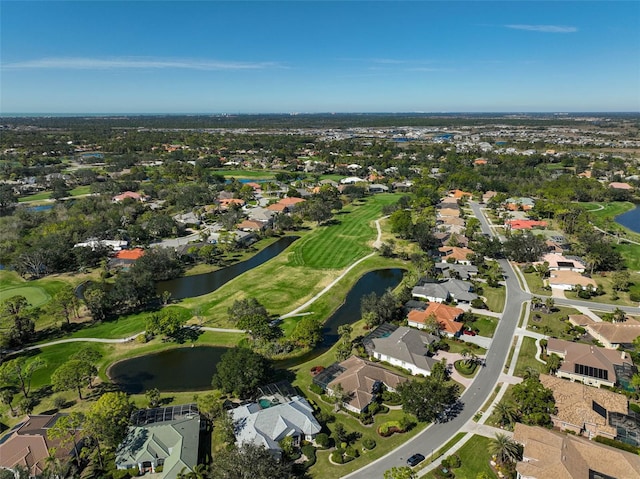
(458, 194)
(616, 185)
(128, 195)
(525, 224)
(445, 315)
(286, 205)
(226, 203)
(455, 253)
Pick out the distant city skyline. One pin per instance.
(211, 57)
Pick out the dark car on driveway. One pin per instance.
(415, 460)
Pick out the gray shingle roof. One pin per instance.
(408, 345)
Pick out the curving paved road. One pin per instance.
(474, 397)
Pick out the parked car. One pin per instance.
(469, 332)
(415, 460)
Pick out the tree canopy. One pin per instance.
(240, 371)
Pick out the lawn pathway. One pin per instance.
(376, 244)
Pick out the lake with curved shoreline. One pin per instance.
(197, 285)
(191, 368)
(630, 219)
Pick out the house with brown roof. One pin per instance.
(286, 205)
(362, 381)
(455, 253)
(590, 364)
(567, 280)
(583, 409)
(553, 455)
(611, 335)
(226, 203)
(446, 316)
(451, 212)
(616, 185)
(559, 262)
(28, 444)
(252, 225)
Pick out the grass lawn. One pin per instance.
(550, 324)
(457, 346)
(535, 284)
(343, 241)
(35, 295)
(311, 263)
(475, 458)
(80, 190)
(323, 468)
(508, 397)
(604, 280)
(527, 357)
(247, 174)
(43, 195)
(495, 297)
(486, 325)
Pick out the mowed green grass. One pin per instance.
(345, 240)
(475, 458)
(35, 295)
(527, 357)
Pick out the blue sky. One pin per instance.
(327, 56)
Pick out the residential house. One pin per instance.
(451, 270)
(459, 194)
(455, 254)
(488, 196)
(261, 214)
(267, 426)
(451, 212)
(378, 188)
(611, 335)
(352, 180)
(252, 225)
(126, 258)
(93, 243)
(515, 204)
(449, 202)
(406, 348)
(590, 364)
(582, 409)
(567, 280)
(446, 316)
(189, 218)
(226, 203)
(431, 291)
(166, 437)
(362, 380)
(550, 454)
(128, 195)
(616, 185)
(558, 262)
(28, 445)
(285, 205)
(525, 224)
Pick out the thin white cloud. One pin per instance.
(74, 63)
(544, 28)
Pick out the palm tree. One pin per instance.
(535, 303)
(530, 372)
(506, 412)
(505, 449)
(549, 304)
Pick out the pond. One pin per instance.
(181, 369)
(191, 369)
(630, 219)
(197, 285)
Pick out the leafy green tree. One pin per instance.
(401, 223)
(308, 332)
(249, 314)
(108, 418)
(8, 196)
(6, 397)
(153, 397)
(553, 363)
(210, 405)
(535, 402)
(427, 398)
(524, 247)
(19, 371)
(240, 371)
(248, 461)
(65, 302)
(343, 350)
(73, 374)
(65, 430)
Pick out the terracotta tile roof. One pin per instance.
(455, 252)
(276, 207)
(226, 202)
(452, 212)
(460, 194)
(526, 224)
(580, 319)
(359, 378)
(549, 454)
(250, 225)
(133, 254)
(620, 186)
(128, 194)
(290, 201)
(574, 404)
(445, 315)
